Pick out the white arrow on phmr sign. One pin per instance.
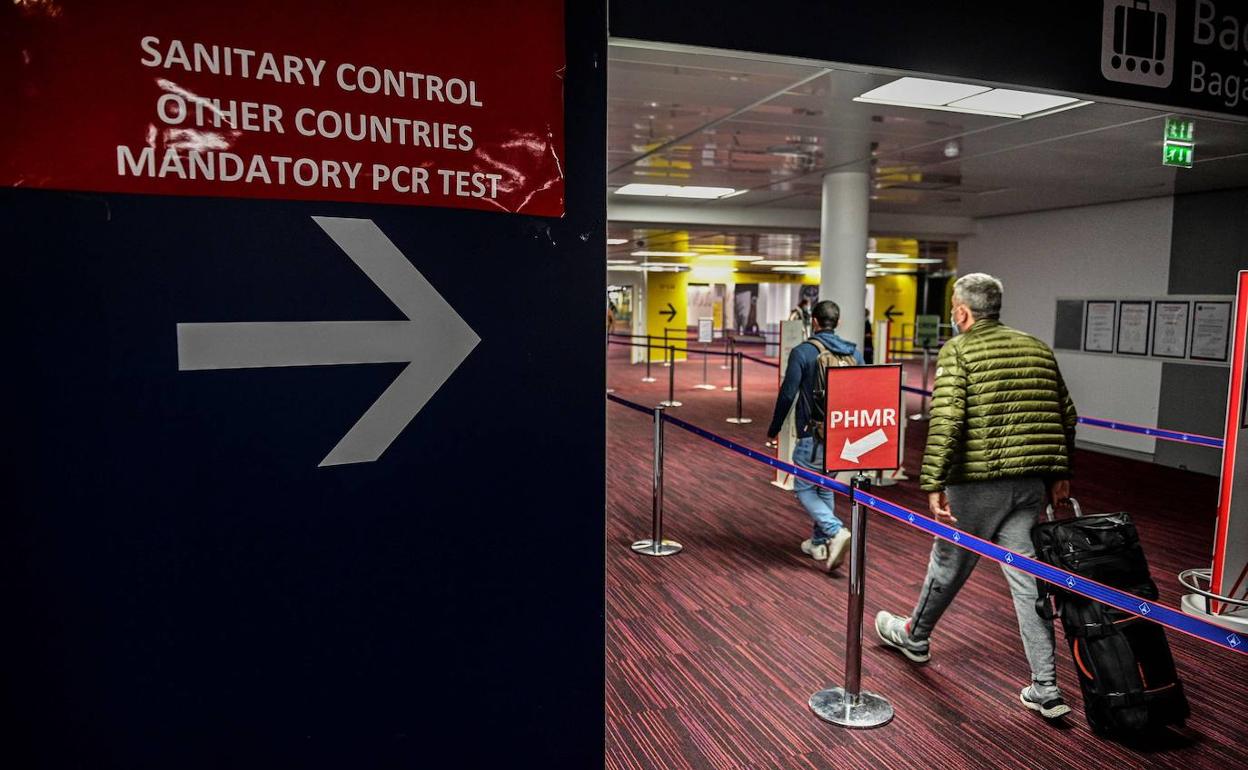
(434, 341)
(856, 449)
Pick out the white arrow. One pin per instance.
(855, 449)
(434, 341)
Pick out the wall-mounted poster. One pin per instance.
(1211, 325)
(1133, 318)
(1098, 326)
(1170, 329)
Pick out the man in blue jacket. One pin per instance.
(830, 539)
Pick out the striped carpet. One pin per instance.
(712, 654)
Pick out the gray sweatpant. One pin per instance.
(1003, 512)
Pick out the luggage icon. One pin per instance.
(1137, 41)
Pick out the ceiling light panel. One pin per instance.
(921, 92)
(616, 241)
(675, 191)
(1007, 102)
(960, 97)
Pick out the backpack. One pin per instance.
(820, 390)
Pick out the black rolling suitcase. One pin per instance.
(1123, 662)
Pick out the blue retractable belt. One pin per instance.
(1158, 613)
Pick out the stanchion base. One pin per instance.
(918, 417)
(740, 420)
(837, 706)
(648, 547)
(705, 386)
(670, 403)
(649, 379)
(729, 389)
(725, 368)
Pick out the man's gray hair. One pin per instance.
(981, 293)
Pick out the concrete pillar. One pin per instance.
(843, 248)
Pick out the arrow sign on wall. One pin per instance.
(433, 342)
(890, 314)
(670, 313)
(855, 449)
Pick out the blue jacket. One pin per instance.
(800, 376)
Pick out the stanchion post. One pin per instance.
(849, 706)
(728, 348)
(922, 415)
(706, 355)
(671, 379)
(732, 367)
(655, 545)
(665, 345)
(739, 420)
(649, 347)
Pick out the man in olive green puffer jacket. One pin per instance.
(1001, 435)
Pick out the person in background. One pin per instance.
(1002, 429)
(802, 313)
(802, 379)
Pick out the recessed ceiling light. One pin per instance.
(664, 254)
(920, 92)
(973, 99)
(884, 254)
(616, 241)
(1007, 102)
(675, 191)
(910, 260)
(781, 263)
(621, 261)
(729, 258)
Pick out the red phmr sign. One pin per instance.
(863, 418)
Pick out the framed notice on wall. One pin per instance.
(1098, 326)
(1211, 331)
(1170, 329)
(1133, 318)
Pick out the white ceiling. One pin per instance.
(714, 119)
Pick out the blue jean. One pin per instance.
(819, 502)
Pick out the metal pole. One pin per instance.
(706, 355)
(665, 363)
(649, 347)
(671, 379)
(728, 347)
(849, 706)
(739, 420)
(655, 545)
(732, 368)
(922, 415)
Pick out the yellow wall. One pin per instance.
(661, 289)
(901, 292)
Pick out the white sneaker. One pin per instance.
(817, 552)
(1049, 704)
(894, 631)
(838, 548)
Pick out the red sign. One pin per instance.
(863, 418)
(422, 104)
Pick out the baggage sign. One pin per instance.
(863, 418)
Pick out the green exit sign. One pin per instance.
(1180, 143)
(1179, 130)
(1177, 154)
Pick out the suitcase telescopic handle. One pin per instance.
(1074, 504)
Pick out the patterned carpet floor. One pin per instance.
(712, 654)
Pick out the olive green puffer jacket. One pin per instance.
(999, 410)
